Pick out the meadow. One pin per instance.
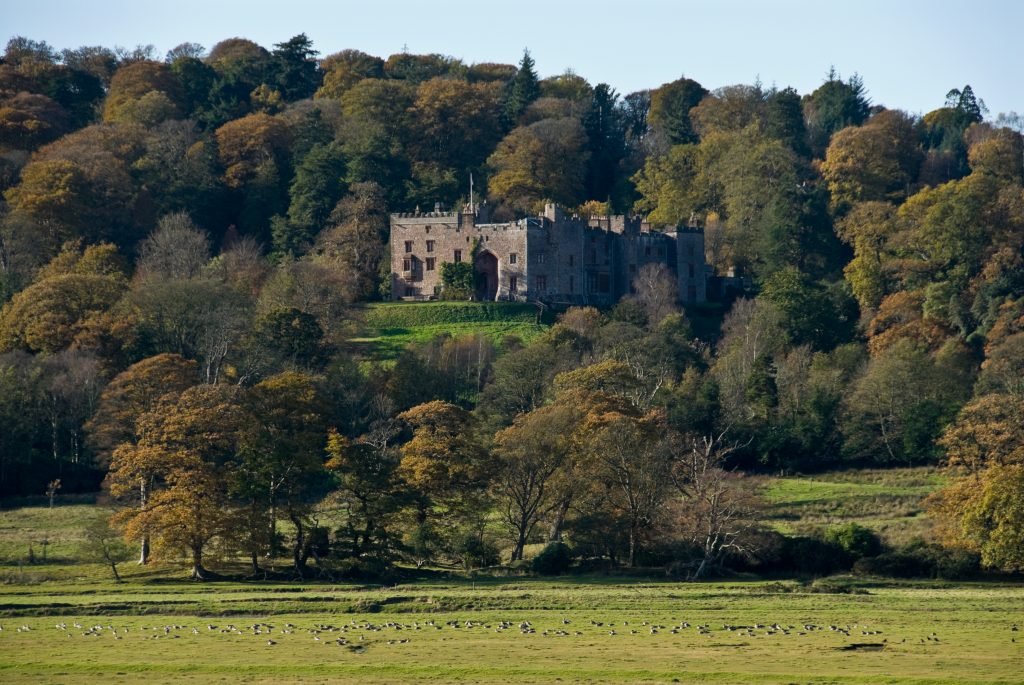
(513, 630)
(67, 622)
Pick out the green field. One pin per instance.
(390, 327)
(156, 627)
(594, 630)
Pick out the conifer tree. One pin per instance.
(522, 90)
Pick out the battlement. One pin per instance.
(555, 257)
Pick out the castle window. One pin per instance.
(430, 263)
(408, 246)
(458, 256)
(603, 283)
(406, 264)
(647, 251)
(512, 283)
(513, 258)
(410, 291)
(661, 251)
(428, 230)
(540, 257)
(689, 249)
(572, 284)
(542, 282)
(593, 256)
(430, 246)
(572, 260)
(691, 271)
(691, 293)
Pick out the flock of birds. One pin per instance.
(356, 636)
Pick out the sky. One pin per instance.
(909, 53)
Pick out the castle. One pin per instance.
(553, 258)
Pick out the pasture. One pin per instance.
(504, 631)
(65, 621)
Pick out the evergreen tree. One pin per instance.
(522, 90)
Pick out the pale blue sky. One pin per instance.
(909, 52)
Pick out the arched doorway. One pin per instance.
(485, 276)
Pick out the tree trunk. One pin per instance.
(144, 545)
(113, 567)
(517, 553)
(632, 546)
(298, 557)
(198, 572)
(255, 558)
(558, 521)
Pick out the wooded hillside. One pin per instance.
(184, 241)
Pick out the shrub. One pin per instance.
(553, 560)
(476, 552)
(921, 560)
(854, 540)
(803, 555)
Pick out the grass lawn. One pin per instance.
(390, 327)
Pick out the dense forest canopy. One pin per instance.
(184, 243)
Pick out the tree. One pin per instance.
(133, 393)
(49, 314)
(898, 406)
(444, 465)
(628, 453)
(876, 161)
(545, 160)
(178, 249)
(670, 109)
(606, 141)
(835, 105)
(103, 544)
(314, 192)
(784, 120)
(987, 431)
(295, 68)
(981, 507)
(656, 291)
(344, 69)
(719, 507)
(529, 454)
(135, 82)
(356, 240)
(188, 444)
(293, 337)
(730, 109)
(282, 459)
(523, 89)
(369, 489)
(28, 120)
(811, 315)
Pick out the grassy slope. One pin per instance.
(389, 327)
(889, 501)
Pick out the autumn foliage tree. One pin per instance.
(188, 446)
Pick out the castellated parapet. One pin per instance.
(553, 258)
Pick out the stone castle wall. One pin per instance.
(552, 258)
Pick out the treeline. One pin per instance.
(229, 207)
